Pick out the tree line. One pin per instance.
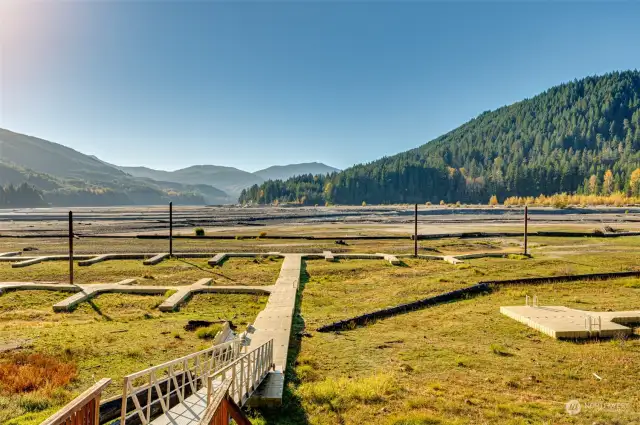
(22, 196)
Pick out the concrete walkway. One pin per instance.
(274, 322)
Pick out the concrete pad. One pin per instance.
(360, 256)
(128, 282)
(28, 262)
(173, 302)
(108, 257)
(483, 255)
(328, 255)
(35, 260)
(94, 260)
(69, 303)
(391, 259)
(156, 259)
(46, 286)
(219, 258)
(192, 255)
(568, 323)
(452, 260)
(15, 259)
(421, 256)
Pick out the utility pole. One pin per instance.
(170, 229)
(415, 231)
(71, 247)
(526, 224)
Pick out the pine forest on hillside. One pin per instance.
(581, 137)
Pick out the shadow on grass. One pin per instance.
(291, 412)
(97, 310)
(207, 270)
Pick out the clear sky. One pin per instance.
(172, 84)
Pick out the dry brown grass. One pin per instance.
(24, 373)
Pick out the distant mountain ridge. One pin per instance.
(229, 179)
(66, 177)
(283, 172)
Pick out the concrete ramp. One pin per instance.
(156, 259)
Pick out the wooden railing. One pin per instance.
(229, 388)
(83, 410)
(155, 390)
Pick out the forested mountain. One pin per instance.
(283, 172)
(64, 177)
(582, 136)
(51, 158)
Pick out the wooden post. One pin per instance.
(96, 409)
(170, 229)
(415, 232)
(526, 223)
(71, 247)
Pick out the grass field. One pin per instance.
(462, 363)
(457, 363)
(111, 336)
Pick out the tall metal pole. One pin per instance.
(526, 224)
(71, 247)
(170, 229)
(415, 232)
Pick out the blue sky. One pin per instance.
(172, 84)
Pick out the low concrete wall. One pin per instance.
(404, 308)
(480, 287)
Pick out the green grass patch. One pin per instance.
(209, 332)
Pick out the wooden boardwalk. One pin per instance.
(188, 412)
